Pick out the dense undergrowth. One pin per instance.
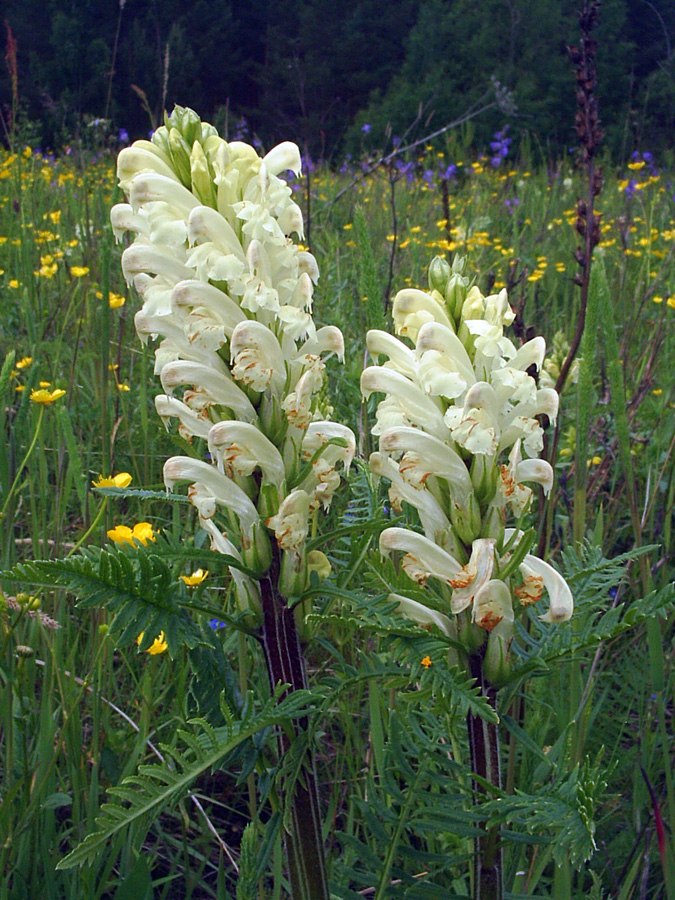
(591, 742)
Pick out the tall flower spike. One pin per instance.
(453, 404)
(240, 359)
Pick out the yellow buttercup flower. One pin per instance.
(24, 362)
(141, 532)
(44, 396)
(119, 481)
(79, 271)
(47, 270)
(115, 300)
(159, 645)
(196, 578)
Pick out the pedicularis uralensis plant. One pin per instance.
(459, 410)
(230, 294)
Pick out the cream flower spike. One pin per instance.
(230, 297)
(453, 406)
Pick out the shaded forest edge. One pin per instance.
(335, 78)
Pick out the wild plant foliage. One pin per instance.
(304, 693)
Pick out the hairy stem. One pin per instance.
(484, 748)
(286, 665)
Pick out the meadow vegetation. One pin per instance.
(587, 720)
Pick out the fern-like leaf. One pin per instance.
(565, 809)
(134, 584)
(143, 796)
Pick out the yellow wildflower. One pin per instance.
(141, 532)
(671, 301)
(24, 362)
(115, 300)
(196, 578)
(119, 481)
(426, 662)
(44, 396)
(159, 645)
(47, 270)
(79, 271)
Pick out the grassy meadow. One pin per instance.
(592, 727)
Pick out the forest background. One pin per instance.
(336, 78)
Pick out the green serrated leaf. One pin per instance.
(158, 786)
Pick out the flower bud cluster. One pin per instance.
(241, 362)
(460, 430)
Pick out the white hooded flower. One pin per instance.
(418, 408)
(539, 576)
(241, 448)
(291, 523)
(412, 309)
(434, 455)
(213, 483)
(423, 615)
